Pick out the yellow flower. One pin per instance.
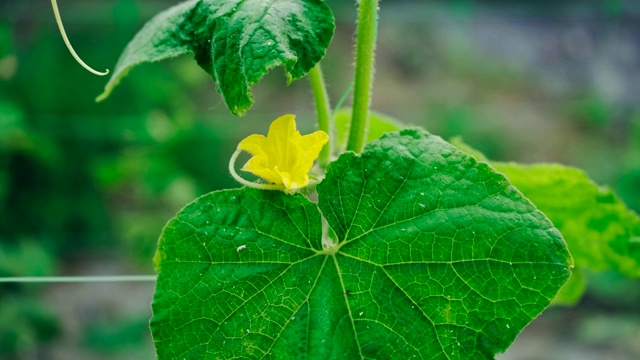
(283, 156)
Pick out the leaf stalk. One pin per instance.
(323, 111)
(367, 31)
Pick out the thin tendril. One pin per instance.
(56, 13)
(232, 170)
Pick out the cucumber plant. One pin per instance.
(397, 244)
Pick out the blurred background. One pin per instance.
(86, 188)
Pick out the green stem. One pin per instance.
(343, 98)
(365, 55)
(323, 110)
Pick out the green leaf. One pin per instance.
(165, 36)
(601, 232)
(235, 41)
(460, 144)
(427, 253)
(379, 124)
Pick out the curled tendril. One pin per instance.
(56, 13)
(232, 162)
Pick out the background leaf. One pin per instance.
(428, 253)
(601, 232)
(236, 41)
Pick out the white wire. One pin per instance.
(78, 279)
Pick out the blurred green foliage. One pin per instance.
(116, 336)
(628, 183)
(80, 179)
(25, 324)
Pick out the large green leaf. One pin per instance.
(236, 41)
(601, 232)
(424, 253)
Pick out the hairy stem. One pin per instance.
(323, 111)
(365, 55)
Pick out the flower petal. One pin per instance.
(310, 145)
(292, 184)
(255, 144)
(284, 156)
(258, 166)
(281, 131)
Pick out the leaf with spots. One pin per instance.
(414, 250)
(235, 41)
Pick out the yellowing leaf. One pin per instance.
(284, 156)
